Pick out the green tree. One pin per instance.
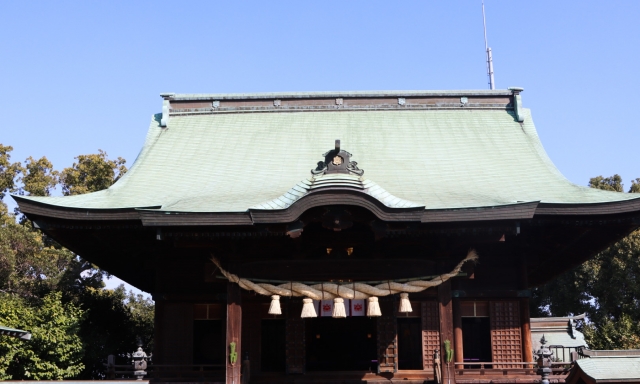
(116, 320)
(55, 349)
(622, 333)
(37, 273)
(28, 267)
(39, 177)
(635, 186)
(92, 173)
(8, 171)
(613, 183)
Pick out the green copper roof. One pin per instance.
(24, 335)
(611, 368)
(335, 181)
(433, 158)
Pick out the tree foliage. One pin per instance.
(55, 349)
(8, 171)
(39, 177)
(54, 293)
(607, 288)
(635, 186)
(92, 173)
(613, 183)
(133, 316)
(28, 267)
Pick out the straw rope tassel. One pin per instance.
(274, 308)
(405, 304)
(373, 307)
(338, 308)
(308, 310)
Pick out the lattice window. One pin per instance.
(430, 332)
(506, 338)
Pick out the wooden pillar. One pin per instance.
(234, 331)
(446, 330)
(527, 346)
(457, 331)
(525, 316)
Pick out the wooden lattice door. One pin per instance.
(387, 337)
(295, 345)
(430, 332)
(506, 338)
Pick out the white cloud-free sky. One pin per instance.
(81, 76)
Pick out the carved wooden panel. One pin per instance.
(387, 337)
(506, 338)
(430, 332)
(295, 335)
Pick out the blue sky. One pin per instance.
(81, 76)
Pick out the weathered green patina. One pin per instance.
(439, 159)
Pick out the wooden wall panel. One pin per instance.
(251, 335)
(506, 337)
(387, 336)
(430, 332)
(158, 332)
(295, 353)
(177, 333)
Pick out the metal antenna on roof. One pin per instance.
(489, 56)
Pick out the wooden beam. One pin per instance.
(446, 330)
(457, 332)
(234, 332)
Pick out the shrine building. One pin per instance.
(341, 236)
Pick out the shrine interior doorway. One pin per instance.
(347, 344)
(409, 343)
(273, 346)
(476, 340)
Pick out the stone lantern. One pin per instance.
(544, 361)
(139, 360)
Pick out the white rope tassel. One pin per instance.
(405, 304)
(308, 310)
(338, 308)
(274, 308)
(373, 307)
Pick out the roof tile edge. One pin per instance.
(337, 94)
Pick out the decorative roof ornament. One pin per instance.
(337, 161)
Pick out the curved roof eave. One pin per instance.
(445, 160)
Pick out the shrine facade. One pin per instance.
(336, 236)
